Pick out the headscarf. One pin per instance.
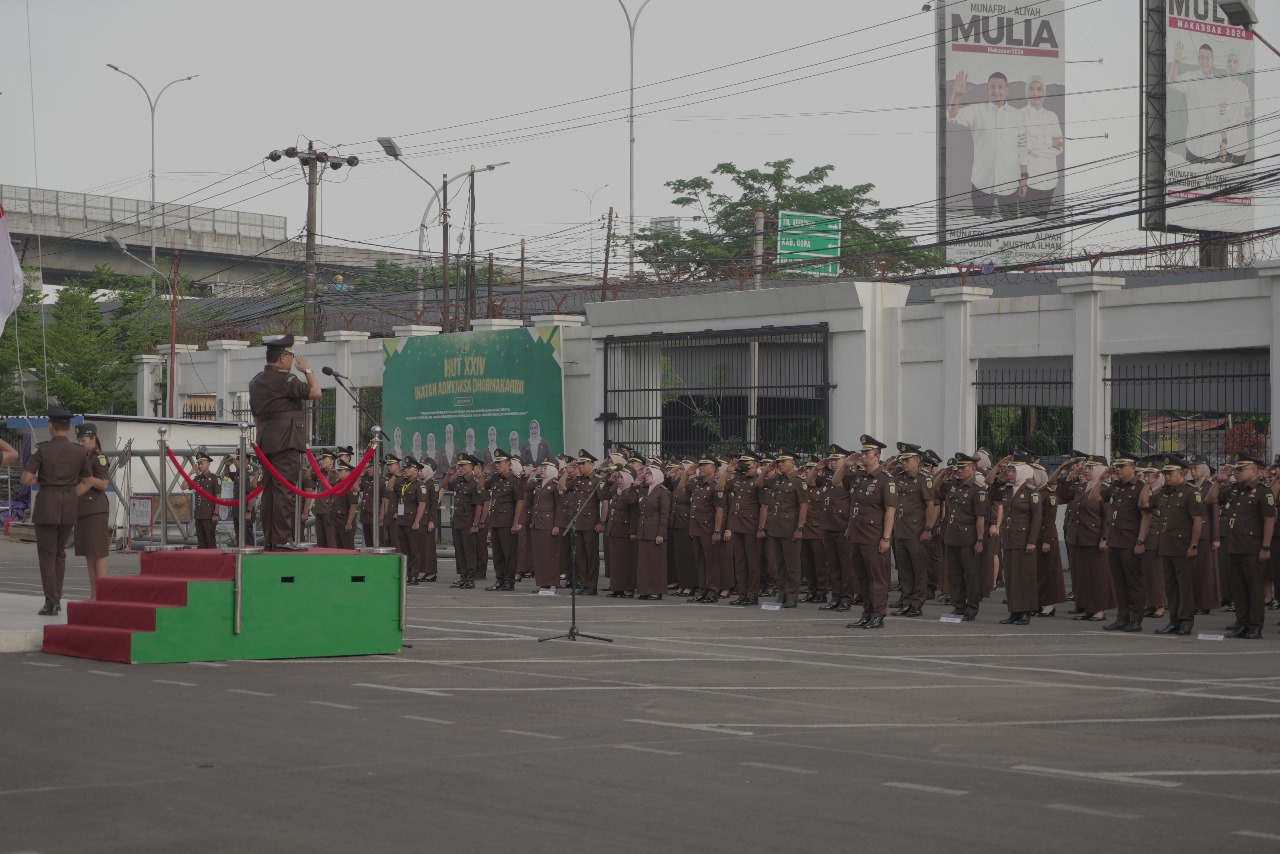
(627, 479)
(658, 477)
(548, 471)
(1035, 78)
(517, 469)
(1040, 476)
(1023, 473)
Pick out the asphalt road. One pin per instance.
(700, 728)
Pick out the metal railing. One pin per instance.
(1024, 406)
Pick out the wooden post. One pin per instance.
(608, 244)
(522, 279)
(488, 311)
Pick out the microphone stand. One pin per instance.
(338, 378)
(573, 634)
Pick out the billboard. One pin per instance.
(1002, 131)
(1208, 119)
(474, 392)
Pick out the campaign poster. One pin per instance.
(474, 392)
(1003, 129)
(1208, 120)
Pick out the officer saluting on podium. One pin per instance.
(275, 398)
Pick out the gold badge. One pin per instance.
(928, 481)
(892, 489)
(1271, 499)
(1035, 498)
(1197, 498)
(982, 496)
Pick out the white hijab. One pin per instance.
(658, 477)
(627, 479)
(549, 472)
(1021, 474)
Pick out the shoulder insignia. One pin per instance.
(928, 482)
(1271, 499)
(804, 485)
(102, 461)
(893, 490)
(982, 495)
(1053, 499)
(422, 489)
(1198, 498)
(291, 378)
(1035, 498)
(719, 495)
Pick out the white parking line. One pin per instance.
(1253, 834)
(404, 689)
(40, 664)
(426, 720)
(786, 768)
(103, 673)
(174, 682)
(1096, 775)
(250, 693)
(530, 734)
(647, 749)
(1089, 811)
(699, 727)
(936, 790)
(333, 705)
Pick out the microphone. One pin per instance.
(330, 372)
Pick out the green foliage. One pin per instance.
(1045, 430)
(721, 244)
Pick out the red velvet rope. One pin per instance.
(315, 467)
(341, 488)
(221, 502)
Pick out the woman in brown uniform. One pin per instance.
(618, 539)
(93, 534)
(1090, 572)
(992, 551)
(543, 532)
(1207, 577)
(681, 552)
(1019, 520)
(408, 493)
(653, 511)
(427, 515)
(1051, 587)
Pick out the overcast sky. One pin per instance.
(448, 81)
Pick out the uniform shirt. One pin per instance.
(835, 506)
(1243, 510)
(58, 466)
(870, 497)
(704, 500)
(504, 493)
(621, 521)
(1085, 513)
(1209, 530)
(546, 505)
(999, 145)
(1049, 515)
(1173, 513)
(963, 504)
(581, 493)
(652, 511)
(467, 497)
(95, 500)
(204, 507)
(323, 506)
(742, 500)
(340, 506)
(366, 498)
(788, 493)
(680, 506)
(275, 398)
(1123, 515)
(1023, 518)
(915, 494)
(409, 493)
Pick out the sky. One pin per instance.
(539, 83)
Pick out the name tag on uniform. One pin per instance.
(400, 509)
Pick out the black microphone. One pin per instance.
(330, 372)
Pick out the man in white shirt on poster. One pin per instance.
(999, 176)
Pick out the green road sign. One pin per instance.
(805, 236)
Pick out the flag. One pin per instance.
(10, 274)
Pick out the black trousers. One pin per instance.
(51, 548)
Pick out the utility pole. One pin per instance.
(444, 225)
(759, 253)
(312, 160)
(471, 253)
(522, 279)
(488, 311)
(608, 245)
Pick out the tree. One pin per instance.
(722, 244)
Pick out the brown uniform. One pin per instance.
(367, 509)
(206, 512)
(652, 518)
(915, 495)
(1207, 578)
(408, 494)
(871, 495)
(59, 465)
(1090, 575)
(339, 511)
(583, 493)
(787, 495)
(742, 499)
(1123, 523)
(1244, 509)
(505, 494)
(322, 508)
(1051, 586)
(813, 551)
(708, 556)
(93, 534)
(275, 398)
(468, 497)
(618, 528)
(681, 570)
(965, 510)
(545, 504)
(1021, 526)
(1173, 515)
(834, 504)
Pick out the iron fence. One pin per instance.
(1216, 405)
(1024, 406)
(719, 392)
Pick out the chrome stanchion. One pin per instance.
(242, 507)
(163, 545)
(377, 548)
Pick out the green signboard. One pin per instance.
(474, 392)
(803, 236)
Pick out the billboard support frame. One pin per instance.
(1151, 115)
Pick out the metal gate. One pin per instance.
(718, 392)
(1024, 404)
(1215, 404)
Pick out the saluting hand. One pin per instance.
(301, 363)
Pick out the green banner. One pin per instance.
(474, 392)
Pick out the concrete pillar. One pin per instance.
(881, 361)
(558, 320)
(1090, 403)
(222, 350)
(413, 331)
(493, 324)
(180, 356)
(959, 414)
(346, 429)
(146, 373)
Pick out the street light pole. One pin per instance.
(591, 234)
(631, 128)
(119, 246)
(152, 104)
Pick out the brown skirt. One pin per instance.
(93, 536)
(1021, 585)
(546, 558)
(1091, 579)
(651, 568)
(1205, 581)
(1050, 585)
(622, 564)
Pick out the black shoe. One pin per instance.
(790, 604)
(430, 579)
(833, 605)
(1053, 612)
(709, 599)
(650, 597)
(467, 585)
(617, 594)
(820, 599)
(931, 594)
(875, 623)
(1135, 626)
(1170, 629)
(901, 612)
(810, 597)
(898, 604)
(945, 600)
(587, 591)
(510, 586)
(413, 581)
(457, 583)
(49, 610)
(1024, 619)
(857, 600)
(752, 600)
(969, 618)
(860, 624)
(914, 612)
(999, 583)
(840, 607)
(496, 586)
(1200, 612)
(1229, 608)
(1252, 634)
(897, 585)
(957, 612)
(1235, 631)
(741, 600)
(1115, 625)
(769, 591)
(1011, 619)
(1183, 631)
